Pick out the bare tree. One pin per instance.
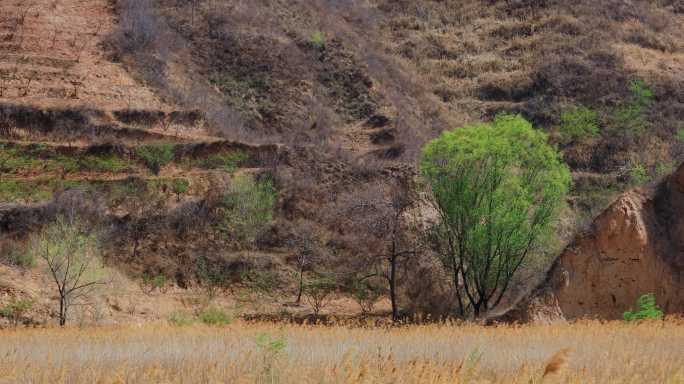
(377, 218)
(306, 245)
(72, 258)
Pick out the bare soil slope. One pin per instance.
(633, 248)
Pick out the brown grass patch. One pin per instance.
(447, 353)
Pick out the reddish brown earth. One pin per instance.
(633, 248)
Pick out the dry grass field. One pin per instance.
(586, 352)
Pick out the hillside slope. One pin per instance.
(332, 101)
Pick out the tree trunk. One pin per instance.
(393, 287)
(301, 285)
(62, 310)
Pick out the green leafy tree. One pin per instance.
(498, 189)
(71, 254)
(648, 309)
(248, 207)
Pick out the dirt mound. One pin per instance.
(635, 247)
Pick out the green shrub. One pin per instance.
(578, 123)
(680, 135)
(212, 276)
(630, 117)
(214, 316)
(648, 309)
(19, 257)
(641, 94)
(317, 41)
(16, 309)
(180, 319)
(152, 283)
(155, 156)
(366, 294)
(248, 207)
(638, 175)
(179, 187)
(663, 169)
(318, 290)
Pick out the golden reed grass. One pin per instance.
(584, 352)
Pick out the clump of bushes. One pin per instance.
(16, 309)
(578, 123)
(181, 319)
(630, 117)
(17, 256)
(248, 207)
(215, 317)
(151, 283)
(155, 156)
(648, 309)
(638, 175)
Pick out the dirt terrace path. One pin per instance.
(51, 56)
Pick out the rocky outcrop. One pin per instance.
(635, 247)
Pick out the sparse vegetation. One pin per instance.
(151, 283)
(181, 319)
(318, 291)
(17, 255)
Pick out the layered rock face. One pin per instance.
(635, 247)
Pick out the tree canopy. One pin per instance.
(498, 188)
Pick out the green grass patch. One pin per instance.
(16, 160)
(230, 161)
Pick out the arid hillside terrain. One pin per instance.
(635, 246)
(139, 115)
